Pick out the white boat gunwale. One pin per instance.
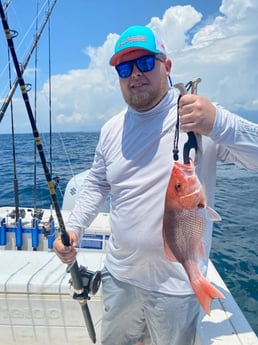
(35, 291)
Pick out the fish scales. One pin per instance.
(184, 221)
(184, 239)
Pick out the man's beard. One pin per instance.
(141, 101)
(146, 100)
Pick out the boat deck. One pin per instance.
(36, 306)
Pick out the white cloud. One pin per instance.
(223, 52)
(174, 25)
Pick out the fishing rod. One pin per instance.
(15, 180)
(83, 281)
(26, 61)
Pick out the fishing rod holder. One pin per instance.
(90, 281)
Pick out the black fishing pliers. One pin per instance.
(192, 141)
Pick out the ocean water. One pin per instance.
(235, 239)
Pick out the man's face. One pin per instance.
(143, 90)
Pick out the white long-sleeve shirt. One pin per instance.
(133, 162)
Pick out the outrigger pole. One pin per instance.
(25, 63)
(81, 291)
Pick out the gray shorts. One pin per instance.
(132, 315)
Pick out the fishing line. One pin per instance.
(192, 141)
(35, 117)
(66, 154)
(32, 121)
(25, 63)
(50, 112)
(176, 137)
(81, 286)
(15, 180)
(30, 28)
(17, 15)
(6, 5)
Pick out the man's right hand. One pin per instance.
(66, 254)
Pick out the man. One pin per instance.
(148, 299)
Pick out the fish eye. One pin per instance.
(178, 187)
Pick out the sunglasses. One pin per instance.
(144, 64)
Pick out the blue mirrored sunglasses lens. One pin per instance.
(143, 63)
(125, 69)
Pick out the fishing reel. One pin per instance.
(90, 281)
(21, 213)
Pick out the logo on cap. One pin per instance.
(131, 39)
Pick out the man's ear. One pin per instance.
(168, 65)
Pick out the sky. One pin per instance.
(215, 40)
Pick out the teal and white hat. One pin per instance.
(137, 37)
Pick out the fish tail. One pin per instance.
(205, 293)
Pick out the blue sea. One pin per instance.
(235, 240)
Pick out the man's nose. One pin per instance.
(136, 70)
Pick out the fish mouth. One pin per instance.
(184, 168)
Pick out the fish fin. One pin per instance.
(205, 293)
(213, 215)
(201, 250)
(209, 214)
(169, 255)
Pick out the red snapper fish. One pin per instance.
(183, 228)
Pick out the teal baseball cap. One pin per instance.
(137, 37)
